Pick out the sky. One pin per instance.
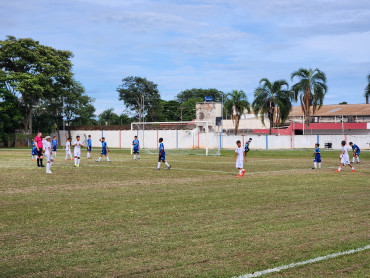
(218, 44)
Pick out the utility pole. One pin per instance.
(181, 108)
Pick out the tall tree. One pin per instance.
(235, 104)
(199, 93)
(141, 96)
(273, 100)
(310, 89)
(109, 117)
(367, 90)
(32, 71)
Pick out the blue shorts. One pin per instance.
(162, 157)
(54, 149)
(136, 151)
(357, 153)
(89, 149)
(317, 159)
(104, 152)
(34, 151)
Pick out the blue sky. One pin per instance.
(200, 44)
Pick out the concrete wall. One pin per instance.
(188, 139)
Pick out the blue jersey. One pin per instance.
(89, 143)
(161, 147)
(54, 142)
(33, 146)
(136, 144)
(247, 144)
(104, 146)
(355, 147)
(317, 153)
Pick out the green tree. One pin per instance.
(199, 94)
(273, 100)
(367, 90)
(235, 104)
(310, 89)
(78, 107)
(10, 116)
(109, 117)
(170, 111)
(141, 96)
(32, 71)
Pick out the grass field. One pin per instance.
(124, 219)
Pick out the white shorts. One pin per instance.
(239, 164)
(344, 160)
(77, 153)
(68, 152)
(47, 156)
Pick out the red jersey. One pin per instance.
(38, 142)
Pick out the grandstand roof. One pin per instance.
(335, 110)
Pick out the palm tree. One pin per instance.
(235, 104)
(367, 90)
(311, 90)
(273, 100)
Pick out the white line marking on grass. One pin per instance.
(318, 259)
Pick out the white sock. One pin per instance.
(32, 157)
(240, 172)
(168, 165)
(66, 155)
(99, 158)
(358, 159)
(353, 159)
(51, 163)
(47, 167)
(107, 158)
(319, 164)
(75, 160)
(340, 168)
(159, 165)
(78, 163)
(134, 156)
(138, 156)
(314, 164)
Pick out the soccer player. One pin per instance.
(136, 148)
(68, 149)
(104, 149)
(89, 147)
(54, 143)
(77, 150)
(34, 151)
(48, 154)
(239, 154)
(356, 152)
(344, 158)
(247, 146)
(162, 156)
(44, 144)
(39, 148)
(317, 156)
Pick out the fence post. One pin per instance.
(267, 142)
(318, 139)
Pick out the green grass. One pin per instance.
(124, 219)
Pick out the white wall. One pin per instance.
(188, 139)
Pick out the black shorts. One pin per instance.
(39, 152)
(246, 151)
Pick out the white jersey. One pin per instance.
(44, 142)
(239, 158)
(345, 156)
(47, 146)
(68, 146)
(78, 145)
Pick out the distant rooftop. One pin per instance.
(335, 110)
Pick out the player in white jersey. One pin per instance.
(344, 158)
(77, 151)
(48, 154)
(44, 141)
(68, 148)
(239, 155)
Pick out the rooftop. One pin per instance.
(335, 110)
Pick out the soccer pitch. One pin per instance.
(124, 219)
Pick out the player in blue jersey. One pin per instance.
(34, 151)
(136, 148)
(104, 149)
(246, 147)
(317, 156)
(356, 152)
(162, 156)
(89, 147)
(54, 144)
